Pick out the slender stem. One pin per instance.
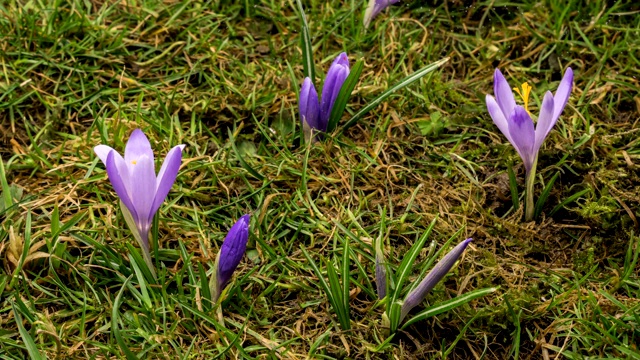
(146, 255)
(529, 205)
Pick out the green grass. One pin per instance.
(216, 76)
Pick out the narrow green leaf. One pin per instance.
(449, 305)
(406, 266)
(569, 200)
(305, 44)
(544, 195)
(141, 264)
(336, 290)
(6, 191)
(114, 323)
(241, 159)
(515, 348)
(346, 279)
(513, 186)
(316, 270)
(344, 95)
(404, 82)
(204, 288)
(146, 300)
(32, 349)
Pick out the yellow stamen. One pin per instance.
(134, 162)
(524, 94)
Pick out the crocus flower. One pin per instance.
(434, 276)
(337, 74)
(136, 184)
(315, 114)
(309, 108)
(381, 273)
(231, 252)
(515, 121)
(374, 8)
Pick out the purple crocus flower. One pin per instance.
(515, 122)
(374, 8)
(337, 74)
(381, 274)
(315, 114)
(231, 252)
(136, 184)
(434, 276)
(309, 108)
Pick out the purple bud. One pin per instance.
(231, 253)
(309, 108)
(381, 274)
(438, 272)
(337, 74)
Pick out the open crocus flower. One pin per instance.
(231, 252)
(374, 8)
(136, 184)
(315, 115)
(515, 122)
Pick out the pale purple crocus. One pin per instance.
(374, 8)
(516, 123)
(231, 252)
(315, 114)
(434, 276)
(134, 179)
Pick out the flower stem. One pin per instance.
(529, 205)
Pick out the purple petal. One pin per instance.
(308, 106)
(546, 120)
(143, 190)
(167, 176)
(381, 276)
(342, 60)
(434, 276)
(103, 152)
(498, 117)
(374, 8)
(523, 135)
(337, 74)
(563, 92)
(232, 251)
(503, 93)
(137, 146)
(119, 177)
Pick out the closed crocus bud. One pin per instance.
(381, 274)
(337, 74)
(434, 276)
(231, 252)
(309, 109)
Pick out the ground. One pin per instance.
(222, 78)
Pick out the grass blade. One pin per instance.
(344, 95)
(243, 163)
(544, 195)
(404, 82)
(32, 349)
(569, 200)
(114, 323)
(6, 191)
(513, 186)
(406, 266)
(306, 46)
(449, 305)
